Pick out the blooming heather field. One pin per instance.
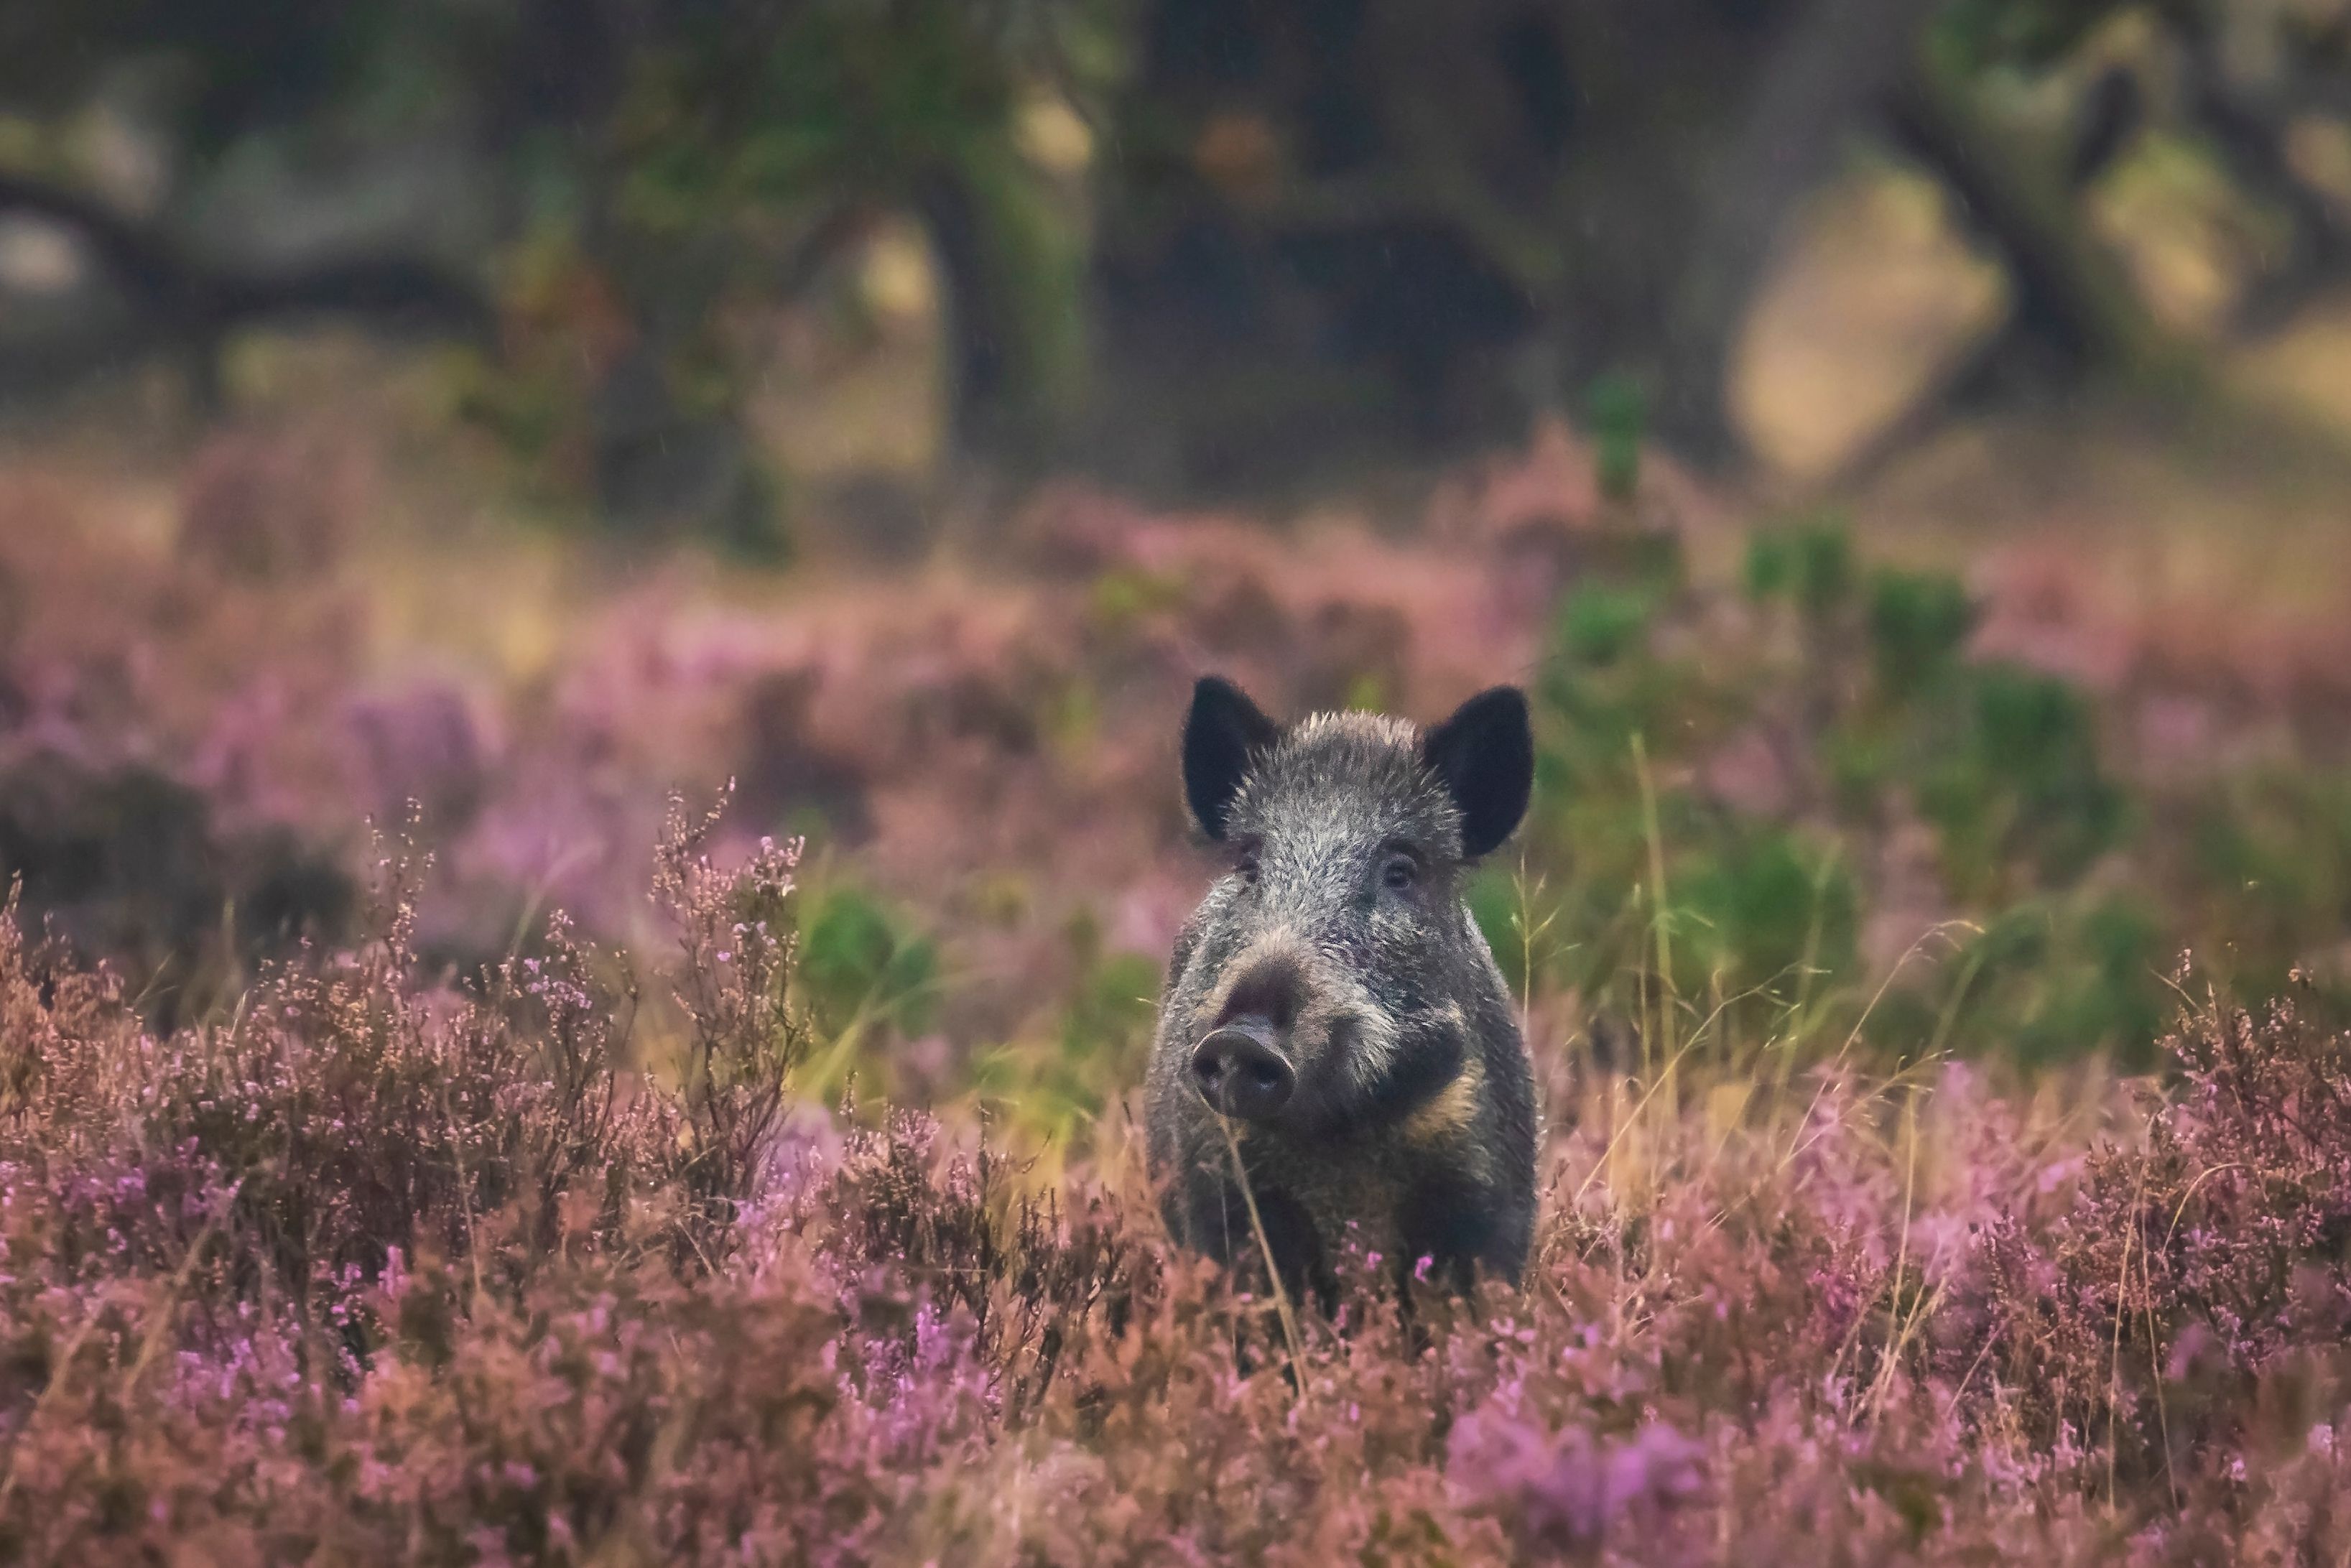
(439, 1196)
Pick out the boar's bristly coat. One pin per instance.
(1333, 1006)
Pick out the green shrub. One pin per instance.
(1810, 564)
(1918, 623)
(1637, 864)
(1619, 417)
(859, 960)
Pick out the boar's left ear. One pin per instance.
(1222, 737)
(1486, 755)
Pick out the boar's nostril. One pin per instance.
(1239, 1073)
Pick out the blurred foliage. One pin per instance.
(623, 185)
(759, 137)
(1048, 1086)
(2021, 32)
(1618, 417)
(863, 966)
(1240, 238)
(1730, 809)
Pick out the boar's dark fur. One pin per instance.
(1333, 1003)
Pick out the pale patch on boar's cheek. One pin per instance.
(1407, 1066)
(1345, 1017)
(1371, 1055)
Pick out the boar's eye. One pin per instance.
(1245, 864)
(1399, 872)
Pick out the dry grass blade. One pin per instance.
(1282, 1302)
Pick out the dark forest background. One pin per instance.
(1199, 247)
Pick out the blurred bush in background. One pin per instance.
(1898, 444)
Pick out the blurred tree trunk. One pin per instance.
(1014, 301)
(1628, 171)
(1827, 80)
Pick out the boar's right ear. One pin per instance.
(1486, 755)
(1222, 736)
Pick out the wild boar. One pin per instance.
(1333, 1006)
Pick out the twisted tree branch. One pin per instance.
(190, 305)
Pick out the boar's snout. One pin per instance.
(1243, 1067)
(1241, 1073)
